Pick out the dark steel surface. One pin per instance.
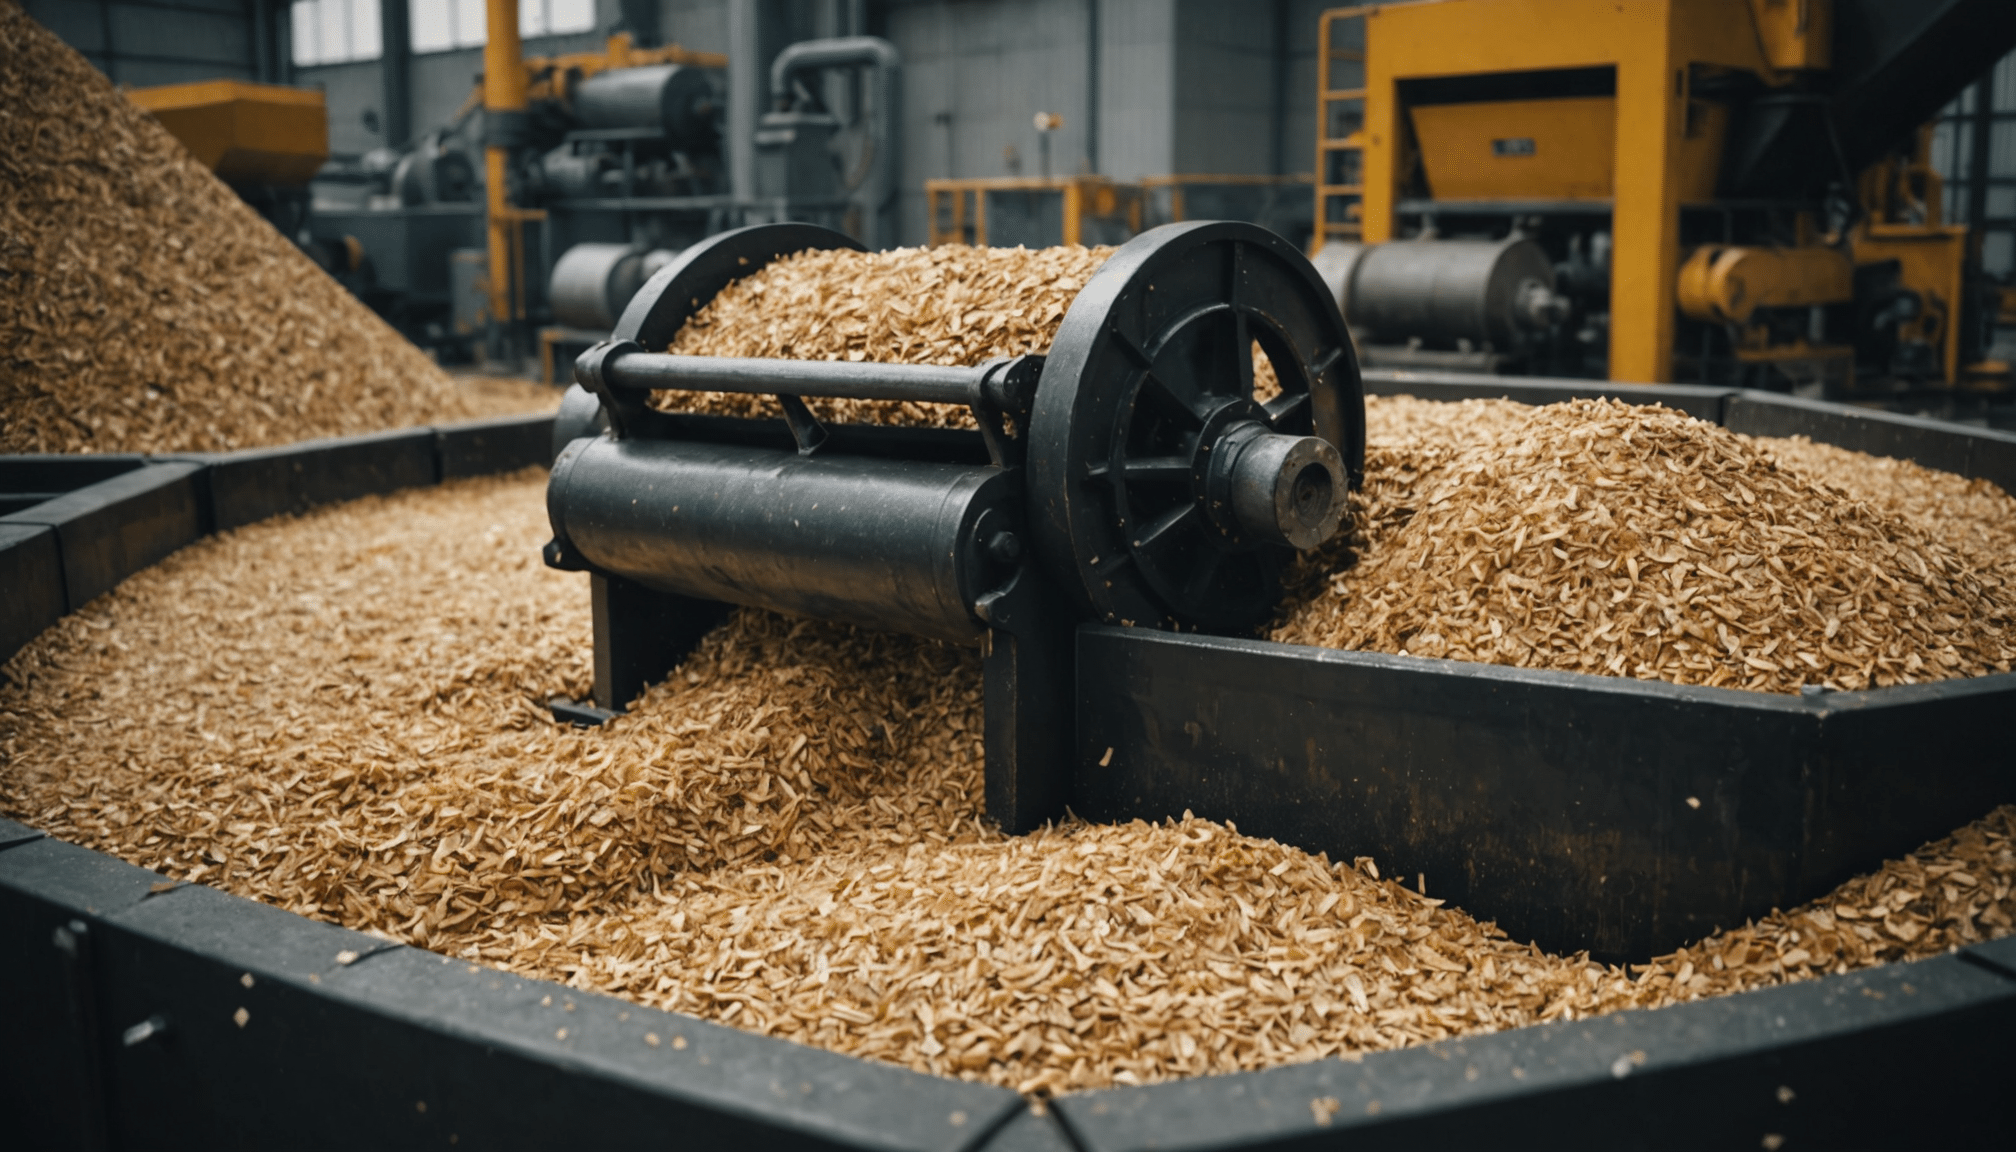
(1904, 1056)
(926, 383)
(1443, 290)
(1946, 446)
(881, 543)
(487, 447)
(679, 100)
(1897, 62)
(57, 472)
(640, 634)
(1151, 367)
(31, 572)
(111, 529)
(580, 415)
(1029, 1131)
(1620, 816)
(250, 486)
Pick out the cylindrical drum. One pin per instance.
(679, 100)
(892, 544)
(1438, 290)
(591, 283)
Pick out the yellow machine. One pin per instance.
(1732, 191)
(246, 133)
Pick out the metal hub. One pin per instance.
(1167, 495)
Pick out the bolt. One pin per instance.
(1005, 547)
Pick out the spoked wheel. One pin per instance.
(1167, 494)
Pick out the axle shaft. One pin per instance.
(623, 364)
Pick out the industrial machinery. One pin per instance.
(266, 141)
(591, 169)
(1722, 191)
(1130, 477)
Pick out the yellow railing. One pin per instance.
(1032, 210)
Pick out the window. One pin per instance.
(335, 31)
(445, 25)
(555, 17)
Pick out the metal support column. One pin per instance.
(397, 69)
(504, 103)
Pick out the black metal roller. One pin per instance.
(1164, 493)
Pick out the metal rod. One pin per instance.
(838, 378)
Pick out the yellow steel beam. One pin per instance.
(1650, 43)
(504, 95)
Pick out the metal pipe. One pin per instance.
(878, 198)
(893, 544)
(839, 52)
(397, 68)
(842, 379)
(504, 102)
(745, 96)
(1092, 50)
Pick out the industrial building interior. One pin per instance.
(1007, 574)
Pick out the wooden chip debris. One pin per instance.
(1624, 540)
(953, 305)
(342, 714)
(145, 308)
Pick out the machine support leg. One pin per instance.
(641, 634)
(1031, 717)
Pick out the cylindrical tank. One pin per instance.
(1442, 291)
(591, 283)
(680, 100)
(892, 544)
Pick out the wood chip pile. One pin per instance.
(145, 308)
(343, 715)
(1596, 536)
(952, 304)
(1973, 517)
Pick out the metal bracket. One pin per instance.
(1007, 392)
(805, 427)
(626, 410)
(73, 941)
(640, 635)
(1029, 673)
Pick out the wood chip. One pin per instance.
(1622, 540)
(145, 308)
